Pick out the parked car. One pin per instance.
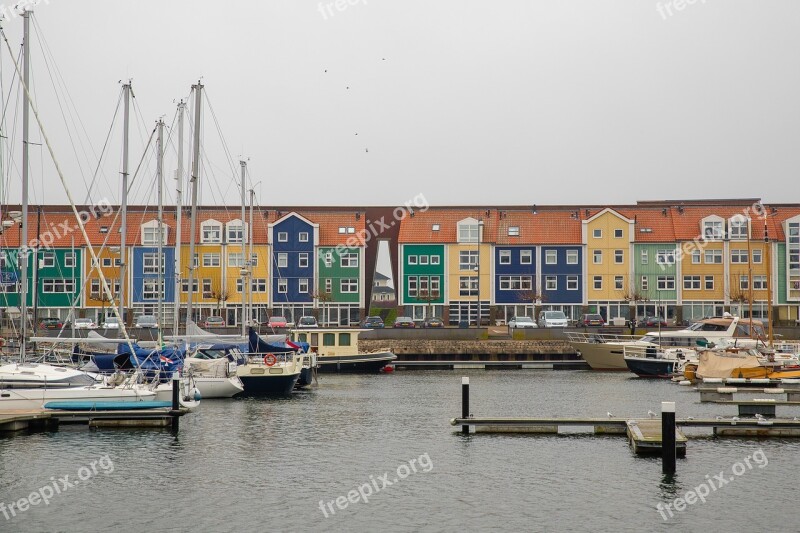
(85, 323)
(146, 321)
(591, 320)
(278, 322)
(51, 323)
(652, 322)
(111, 322)
(522, 322)
(404, 322)
(373, 322)
(307, 322)
(214, 322)
(553, 319)
(433, 322)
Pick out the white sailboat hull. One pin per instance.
(211, 387)
(13, 399)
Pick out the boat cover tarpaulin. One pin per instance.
(721, 364)
(273, 344)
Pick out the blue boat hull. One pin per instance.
(650, 368)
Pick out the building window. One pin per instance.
(435, 259)
(435, 227)
(423, 260)
(738, 256)
(738, 228)
(207, 289)
(351, 229)
(712, 229)
(211, 260)
(107, 261)
(516, 283)
(619, 257)
(467, 259)
(185, 285)
(302, 236)
(328, 285)
(236, 259)
(645, 257)
(713, 256)
(283, 260)
(644, 283)
(342, 229)
(597, 234)
(665, 257)
(302, 260)
(597, 283)
(468, 286)
(350, 260)
(525, 257)
(709, 283)
(617, 233)
(412, 286)
(283, 286)
(302, 285)
(412, 259)
(151, 288)
(572, 257)
(58, 286)
(69, 260)
(468, 232)
(513, 231)
(619, 282)
(572, 283)
(691, 283)
(235, 233)
(150, 235)
(211, 233)
(757, 256)
(349, 285)
(505, 257)
(551, 257)
(435, 286)
(759, 282)
(695, 257)
(666, 283)
(744, 283)
(48, 260)
(597, 257)
(283, 236)
(328, 259)
(150, 263)
(550, 283)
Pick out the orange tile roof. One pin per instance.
(329, 223)
(419, 228)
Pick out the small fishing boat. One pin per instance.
(337, 351)
(654, 362)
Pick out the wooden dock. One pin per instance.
(29, 419)
(12, 421)
(649, 428)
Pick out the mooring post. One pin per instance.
(176, 398)
(465, 403)
(668, 449)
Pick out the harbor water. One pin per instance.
(308, 463)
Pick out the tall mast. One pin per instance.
(198, 93)
(23, 292)
(126, 90)
(178, 220)
(249, 261)
(243, 272)
(160, 254)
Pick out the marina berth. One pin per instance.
(337, 350)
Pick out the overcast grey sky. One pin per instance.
(512, 102)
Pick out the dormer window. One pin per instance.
(103, 229)
(211, 232)
(235, 231)
(469, 230)
(150, 233)
(737, 228)
(513, 231)
(713, 228)
(435, 227)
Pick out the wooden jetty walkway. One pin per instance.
(12, 421)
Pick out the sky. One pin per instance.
(366, 102)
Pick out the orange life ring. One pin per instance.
(270, 359)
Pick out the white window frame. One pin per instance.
(211, 260)
(302, 285)
(597, 257)
(412, 260)
(551, 257)
(572, 257)
(551, 283)
(302, 236)
(597, 233)
(211, 233)
(619, 283)
(302, 260)
(572, 283)
(283, 260)
(619, 257)
(283, 286)
(504, 257)
(525, 257)
(348, 285)
(435, 260)
(597, 283)
(513, 231)
(283, 236)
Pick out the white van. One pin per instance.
(552, 319)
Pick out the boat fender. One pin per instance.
(270, 359)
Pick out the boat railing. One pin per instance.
(284, 358)
(587, 337)
(655, 352)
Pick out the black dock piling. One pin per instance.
(465, 403)
(176, 400)
(668, 448)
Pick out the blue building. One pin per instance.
(146, 281)
(561, 275)
(292, 258)
(515, 291)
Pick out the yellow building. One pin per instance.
(608, 236)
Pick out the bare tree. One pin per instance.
(428, 296)
(218, 294)
(738, 296)
(531, 296)
(323, 298)
(634, 294)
